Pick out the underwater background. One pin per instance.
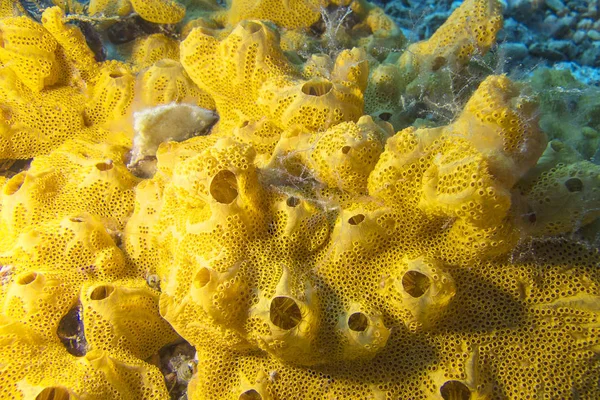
(299, 199)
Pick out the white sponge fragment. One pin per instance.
(164, 123)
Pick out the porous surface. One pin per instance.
(365, 219)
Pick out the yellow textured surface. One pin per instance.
(33, 124)
(109, 7)
(60, 221)
(341, 157)
(302, 247)
(166, 81)
(250, 79)
(244, 280)
(123, 316)
(291, 14)
(6, 8)
(47, 370)
(234, 70)
(111, 96)
(153, 48)
(29, 50)
(72, 44)
(472, 27)
(159, 11)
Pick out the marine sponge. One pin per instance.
(112, 94)
(159, 11)
(293, 14)
(72, 43)
(153, 48)
(277, 280)
(234, 70)
(471, 27)
(32, 124)
(166, 81)
(302, 248)
(47, 370)
(29, 50)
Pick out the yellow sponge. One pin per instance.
(29, 50)
(166, 81)
(6, 8)
(32, 124)
(109, 8)
(40, 299)
(152, 48)
(343, 156)
(421, 290)
(48, 371)
(111, 95)
(234, 70)
(123, 316)
(159, 11)
(291, 14)
(471, 28)
(72, 43)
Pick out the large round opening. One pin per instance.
(250, 394)
(101, 292)
(202, 277)
(455, 390)
(285, 313)
(356, 219)
(117, 74)
(292, 202)
(574, 185)
(358, 322)
(54, 393)
(385, 116)
(26, 278)
(318, 88)
(104, 166)
(415, 283)
(223, 187)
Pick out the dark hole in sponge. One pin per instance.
(385, 116)
(104, 166)
(574, 185)
(285, 313)
(292, 202)
(455, 390)
(317, 89)
(356, 219)
(54, 393)
(101, 292)
(438, 63)
(358, 322)
(224, 187)
(250, 394)
(71, 333)
(415, 283)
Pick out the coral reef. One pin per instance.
(258, 201)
